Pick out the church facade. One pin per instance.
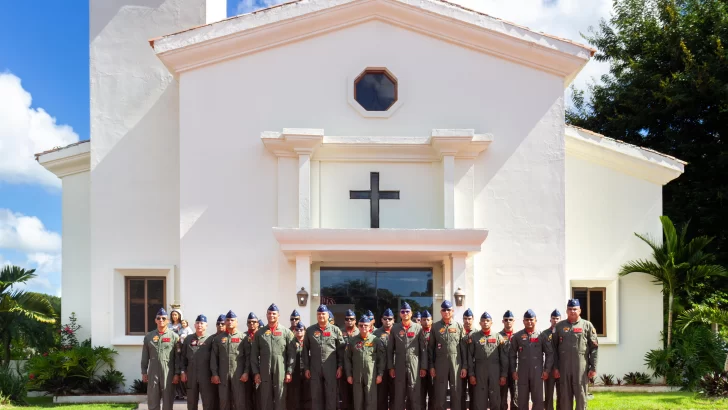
(357, 153)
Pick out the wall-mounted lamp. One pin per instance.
(302, 297)
(459, 297)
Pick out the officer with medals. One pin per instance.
(406, 359)
(385, 390)
(510, 386)
(350, 330)
(323, 360)
(576, 344)
(158, 363)
(271, 361)
(552, 382)
(428, 390)
(364, 365)
(194, 366)
(466, 391)
(446, 362)
(225, 364)
(298, 396)
(530, 362)
(249, 391)
(489, 365)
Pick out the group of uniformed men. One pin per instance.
(407, 365)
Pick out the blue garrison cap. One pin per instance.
(417, 315)
(231, 315)
(573, 303)
(556, 313)
(273, 308)
(221, 318)
(260, 322)
(405, 306)
(251, 316)
(161, 312)
(322, 308)
(349, 313)
(300, 326)
(388, 313)
(426, 314)
(201, 318)
(468, 313)
(364, 319)
(508, 314)
(486, 315)
(295, 313)
(446, 304)
(530, 314)
(370, 314)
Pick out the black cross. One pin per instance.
(374, 194)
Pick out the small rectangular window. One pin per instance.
(144, 297)
(593, 303)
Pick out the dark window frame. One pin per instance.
(127, 301)
(387, 74)
(588, 291)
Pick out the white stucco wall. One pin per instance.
(134, 156)
(76, 278)
(604, 208)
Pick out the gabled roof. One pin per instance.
(297, 20)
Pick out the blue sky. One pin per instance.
(44, 102)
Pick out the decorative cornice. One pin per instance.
(67, 161)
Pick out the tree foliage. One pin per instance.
(667, 89)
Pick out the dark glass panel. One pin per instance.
(136, 306)
(375, 91)
(155, 300)
(596, 310)
(348, 283)
(581, 295)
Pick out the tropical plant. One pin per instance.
(138, 387)
(16, 304)
(12, 386)
(109, 382)
(635, 378)
(677, 263)
(607, 379)
(619, 382)
(714, 385)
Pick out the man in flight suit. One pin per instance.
(370, 315)
(364, 365)
(194, 366)
(249, 391)
(158, 363)
(576, 344)
(489, 365)
(385, 390)
(548, 385)
(271, 361)
(428, 390)
(220, 329)
(295, 319)
(510, 386)
(466, 391)
(406, 359)
(350, 330)
(417, 318)
(446, 362)
(323, 361)
(298, 396)
(225, 364)
(531, 359)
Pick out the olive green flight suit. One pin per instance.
(510, 383)
(406, 354)
(298, 395)
(576, 348)
(194, 361)
(551, 382)
(215, 391)
(323, 354)
(225, 362)
(365, 360)
(427, 400)
(489, 361)
(249, 391)
(345, 389)
(531, 355)
(467, 391)
(446, 358)
(158, 363)
(385, 389)
(272, 356)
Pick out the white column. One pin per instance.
(459, 280)
(448, 177)
(304, 188)
(303, 279)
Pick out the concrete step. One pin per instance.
(178, 405)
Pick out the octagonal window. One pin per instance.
(375, 90)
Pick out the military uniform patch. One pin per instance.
(193, 343)
(278, 333)
(368, 344)
(534, 339)
(327, 334)
(358, 345)
(317, 333)
(166, 340)
(410, 334)
(267, 332)
(578, 330)
(235, 340)
(482, 341)
(566, 329)
(491, 340)
(442, 330)
(452, 330)
(401, 333)
(524, 337)
(155, 339)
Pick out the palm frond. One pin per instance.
(668, 229)
(658, 274)
(702, 314)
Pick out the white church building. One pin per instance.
(365, 151)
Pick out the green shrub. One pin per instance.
(12, 387)
(109, 382)
(714, 385)
(637, 378)
(138, 387)
(607, 379)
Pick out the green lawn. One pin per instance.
(656, 401)
(44, 402)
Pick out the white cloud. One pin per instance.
(26, 233)
(25, 131)
(246, 6)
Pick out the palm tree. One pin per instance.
(704, 314)
(16, 304)
(677, 263)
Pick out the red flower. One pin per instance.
(70, 331)
(31, 376)
(45, 354)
